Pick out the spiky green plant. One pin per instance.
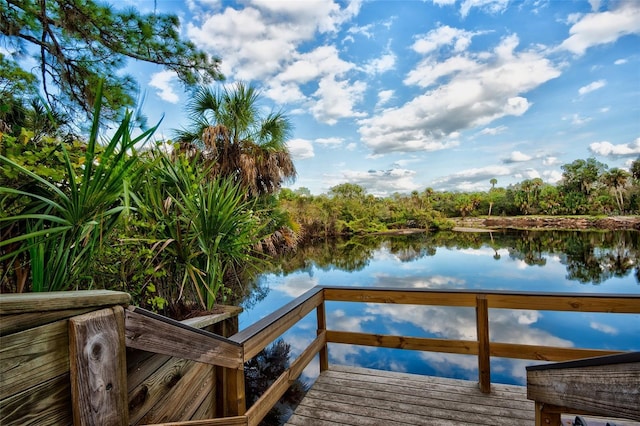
(62, 224)
(203, 226)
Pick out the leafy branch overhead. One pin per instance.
(78, 42)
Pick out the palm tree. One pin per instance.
(617, 179)
(237, 141)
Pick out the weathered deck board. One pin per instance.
(358, 396)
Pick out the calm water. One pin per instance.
(578, 262)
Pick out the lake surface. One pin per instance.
(549, 261)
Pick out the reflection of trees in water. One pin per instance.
(590, 257)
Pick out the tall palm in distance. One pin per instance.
(236, 140)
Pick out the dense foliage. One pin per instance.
(77, 43)
(588, 187)
(79, 215)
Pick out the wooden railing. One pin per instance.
(256, 337)
(87, 324)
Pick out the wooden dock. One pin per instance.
(358, 396)
(89, 358)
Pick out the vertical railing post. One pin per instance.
(236, 401)
(230, 392)
(484, 352)
(322, 326)
(98, 368)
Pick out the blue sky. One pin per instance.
(398, 96)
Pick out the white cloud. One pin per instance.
(479, 89)
(300, 149)
(459, 40)
(607, 329)
(517, 157)
(163, 81)
(552, 176)
(488, 6)
(471, 179)
(381, 182)
(550, 161)
(603, 27)
(493, 130)
(380, 65)
(620, 62)
(595, 5)
(257, 41)
(336, 99)
(577, 120)
(384, 96)
(364, 30)
(296, 285)
(592, 86)
(607, 149)
(335, 141)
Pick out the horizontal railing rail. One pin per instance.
(259, 335)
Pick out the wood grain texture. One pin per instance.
(354, 396)
(19, 322)
(207, 320)
(169, 337)
(33, 356)
(466, 347)
(257, 336)
(60, 300)
(227, 421)
(42, 405)
(184, 398)
(144, 396)
(614, 303)
(608, 390)
(321, 319)
(98, 368)
(484, 351)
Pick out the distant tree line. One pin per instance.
(588, 187)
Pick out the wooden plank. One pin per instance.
(227, 421)
(272, 395)
(184, 398)
(440, 396)
(299, 420)
(544, 353)
(207, 408)
(416, 383)
(611, 303)
(60, 300)
(156, 386)
(466, 347)
(235, 398)
(140, 372)
(98, 368)
(404, 296)
(257, 336)
(207, 320)
(484, 351)
(358, 396)
(544, 418)
(607, 390)
(321, 318)
(158, 334)
(614, 303)
(33, 356)
(45, 404)
(19, 322)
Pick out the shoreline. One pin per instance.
(486, 223)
